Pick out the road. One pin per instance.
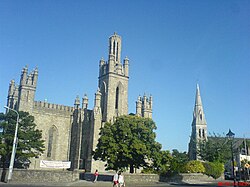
(107, 184)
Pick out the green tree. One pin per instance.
(161, 161)
(215, 149)
(127, 143)
(30, 143)
(178, 162)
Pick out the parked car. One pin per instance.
(228, 176)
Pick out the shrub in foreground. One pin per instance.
(194, 166)
(213, 169)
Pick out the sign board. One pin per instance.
(54, 164)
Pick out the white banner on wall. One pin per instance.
(54, 164)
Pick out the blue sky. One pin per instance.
(172, 45)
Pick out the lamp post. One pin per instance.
(13, 153)
(230, 136)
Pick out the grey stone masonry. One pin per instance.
(199, 127)
(71, 133)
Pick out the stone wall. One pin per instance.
(34, 176)
(46, 118)
(190, 178)
(184, 178)
(130, 178)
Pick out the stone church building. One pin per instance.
(199, 127)
(71, 132)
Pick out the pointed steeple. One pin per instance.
(199, 127)
(199, 116)
(198, 96)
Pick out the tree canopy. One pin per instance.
(127, 143)
(30, 143)
(215, 149)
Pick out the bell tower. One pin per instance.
(113, 81)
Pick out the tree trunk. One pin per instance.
(3, 176)
(131, 168)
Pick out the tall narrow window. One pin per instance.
(199, 132)
(52, 143)
(117, 52)
(116, 98)
(203, 133)
(114, 48)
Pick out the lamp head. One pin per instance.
(230, 134)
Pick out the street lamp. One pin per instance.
(13, 147)
(230, 136)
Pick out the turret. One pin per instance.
(11, 88)
(23, 79)
(115, 47)
(85, 101)
(111, 63)
(126, 66)
(10, 99)
(98, 98)
(144, 106)
(102, 67)
(138, 106)
(34, 77)
(151, 102)
(77, 102)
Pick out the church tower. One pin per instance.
(199, 127)
(113, 81)
(21, 97)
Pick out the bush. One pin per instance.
(194, 166)
(148, 170)
(213, 169)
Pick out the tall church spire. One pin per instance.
(199, 126)
(199, 116)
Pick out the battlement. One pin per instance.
(144, 106)
(29, 79)
(117, 68)
(56, 107)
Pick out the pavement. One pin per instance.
(82, 183)
(85, 183)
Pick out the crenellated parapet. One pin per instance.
(41, 105)
(29, 79)
(144, 106)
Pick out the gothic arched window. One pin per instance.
(203, 133)
(116, 97)
(52, 142)
(200, 133)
